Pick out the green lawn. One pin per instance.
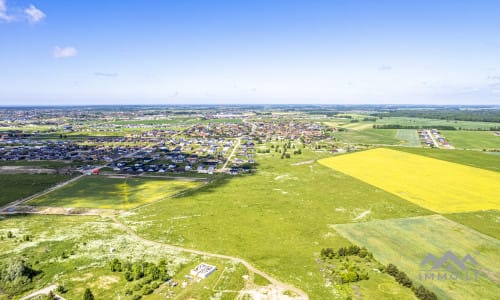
(277, 218)
(17, 186)
(114, 193)
(473, 139)
(407, 242)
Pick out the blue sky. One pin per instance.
(253, 51)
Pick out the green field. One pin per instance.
(368, 136)
(469, 158)
(113, 193)
(75, 252)
(483, 221)
(472, 139)
(427, 123)
(277, 218)
(409, 137)
(17, 186)
(406, 242)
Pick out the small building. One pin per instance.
(203, 270)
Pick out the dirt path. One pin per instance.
(280, 285)
(231, 155)
(44, 291)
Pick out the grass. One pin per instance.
(483, 221)
(434, 184)
(469, 158)
(408, 137)
(368, 136)
(435, 122)
(113, 193)
(86, 241)
(406, 242)
(277, 218)
(17, 186)
(473, 139)
(38, 163)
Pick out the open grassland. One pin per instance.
(470, 158)
(486, 222)
(368, 136)
(473, 139)
(406, 242)
(434, 184)
(428, 123)
(75, 252)
(408, 137)
(113, 193)
(277, 219)
(17, 186)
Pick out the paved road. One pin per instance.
(275, 282)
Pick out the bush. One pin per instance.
(61, 289)
(87, 295)
(422, 293)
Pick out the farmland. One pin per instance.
(409, 137)
(257, 193)
(222, 217)
(369, 136)
(473, 139)
(112, 193)
(422, 122)
(434, 184)
(18, 186)
(406, 242)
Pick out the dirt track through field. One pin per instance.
(276, 283)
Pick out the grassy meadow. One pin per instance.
(475, 159)
(406, 242)
(277, 218)
(429, 123)
(472, 139)
(112, 193)
(437, 185)
(368, 136)
(74, 251)
(408, 137)
(485, 221)
(17, 186)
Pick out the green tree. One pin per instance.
(87, 295)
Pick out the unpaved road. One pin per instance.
(285, 287)
(231, 155)
(44, 291)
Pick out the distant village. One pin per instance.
(136, 143)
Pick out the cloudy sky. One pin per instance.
(249, 51)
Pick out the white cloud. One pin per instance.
(34, 14)
(64, 52)
(3, 12)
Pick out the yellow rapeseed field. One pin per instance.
(437, 185)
